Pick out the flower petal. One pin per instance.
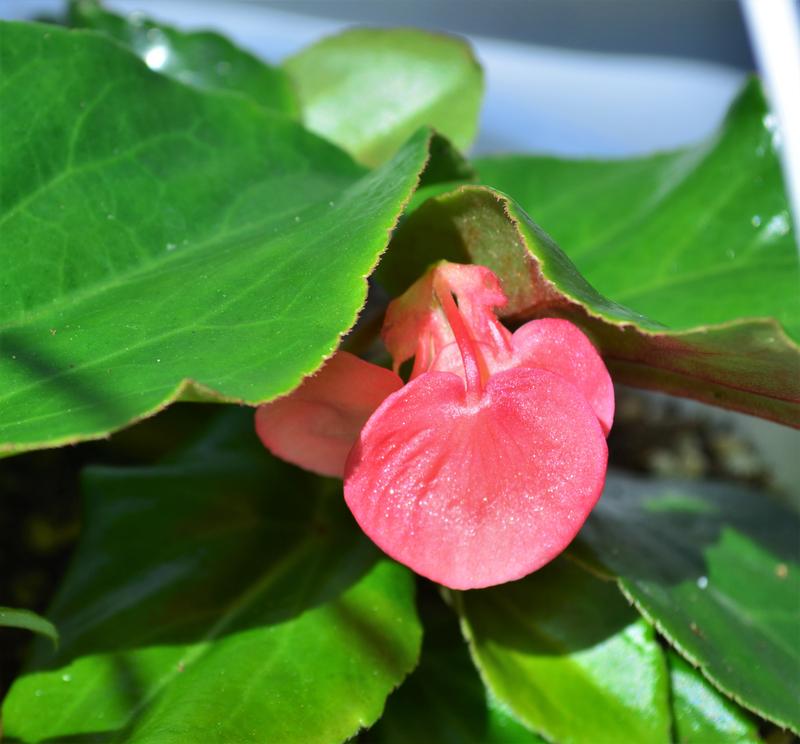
(552, 344)
(472, 495)
(317, 424)
(561, 347)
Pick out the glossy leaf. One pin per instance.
(367, 90)
(204, 59)
(444, 699)
(701, 236)
(569, 657)
(220, 596)
(13, 617)
(732, 344)
(717, 569)
(700, 714)
(160, 241)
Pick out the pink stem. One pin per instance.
(469, 352)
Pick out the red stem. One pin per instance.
(469, 352)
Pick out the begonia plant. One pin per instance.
(340, 405)
(483, 468)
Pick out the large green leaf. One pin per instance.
(444, 699)
(367, 90)
(716, 568)
(723, 343)
(701, 236)
(159, 239)
(700, 714)
(13, 617)
(570, 658)
(221, 596)
(204, 59)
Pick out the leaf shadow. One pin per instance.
(558, 611)
(219, 539)
(444, 698)
(62, 386)
(661, 532)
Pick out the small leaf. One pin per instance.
(11, 617)
(731, 342)
(716, 568)
(220, 596)
(203, 59)
(569, 657)
(444, 699)
(367, 90)
(701, 714)
(158, 239)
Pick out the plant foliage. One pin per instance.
(181, 221)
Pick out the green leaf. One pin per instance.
(700, 236)
(444, 699)
(701, 714)
(159, 240)
(220, 596)
(570, 658)
(367, 90)
(716, 568)
(12, 617)
(730, 356)
(203, 59)
(745, 365)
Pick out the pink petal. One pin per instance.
(472, 495)
(316, 425)
(551, 344)
(415, 326)
(479, 292)
(561, 347)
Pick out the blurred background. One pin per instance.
(578, 77)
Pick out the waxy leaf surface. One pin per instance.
(697, 237)
(716, 568)
(367, 90)
(568, 655)
(701, 714)
(444, 700)
(711, 302)
(204, 59)
(160, 240)
(220, 596)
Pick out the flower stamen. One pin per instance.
(475, 373)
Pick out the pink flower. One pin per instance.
(485, 465)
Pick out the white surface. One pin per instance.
(775, 30)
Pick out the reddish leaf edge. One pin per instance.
(697, 664)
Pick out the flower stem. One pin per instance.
(466, 345)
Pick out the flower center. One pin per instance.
(475, 369)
